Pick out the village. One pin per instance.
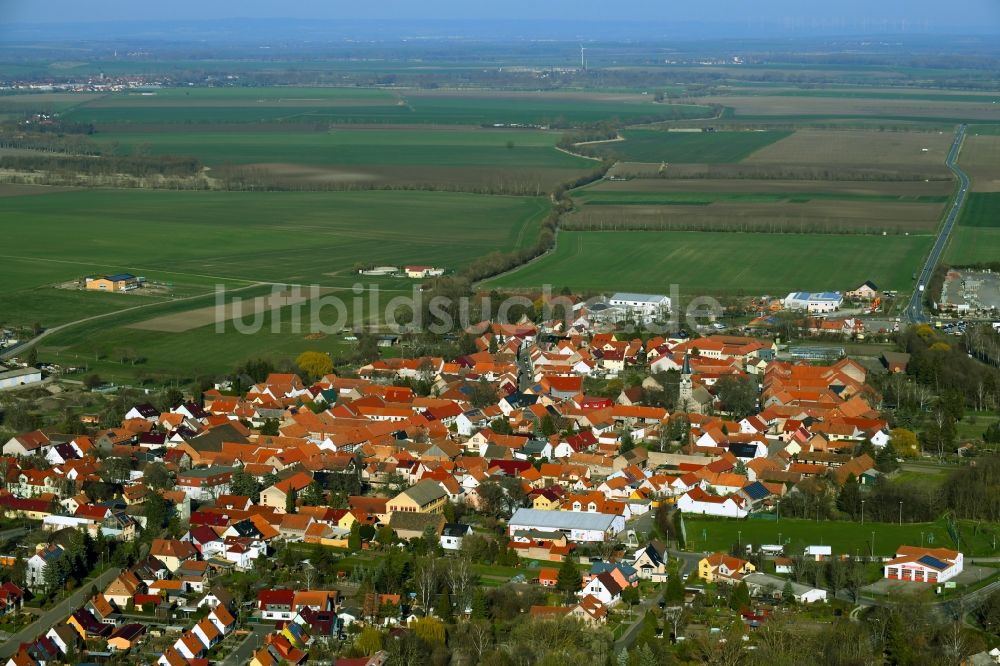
(310, 515)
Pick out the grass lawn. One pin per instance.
(720, 262)
(695, 147)
(846, 537)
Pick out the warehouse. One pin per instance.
(576, 525)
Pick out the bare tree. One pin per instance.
(460, 579)
(427, 582)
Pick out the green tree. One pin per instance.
(675, 589)
(788, 594)
(156, 475)
(291, 500)
(480, 606)
(627, 443)
(569, 580)
(354, 539)
(315, 364)
(369, 641)
(740, 598)
(155, 511)
(738, 395)
(244, 485)
(443, 608)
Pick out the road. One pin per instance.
(57, 614)
(10, 534)
(915, 310)
(244, 651)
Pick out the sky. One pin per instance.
(924, 15)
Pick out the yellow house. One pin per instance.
(719, 567)
(427, 496)
(545, 502)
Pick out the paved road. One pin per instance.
(55, 615)
(915, 310)
(10, 534)
(243, 653)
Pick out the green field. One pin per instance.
(249, 105)
(274, 236)
(685, 147)
(353, 147)
(721, 262)
(193, 241)
(981, 210)
(846, 537)
(973, 245)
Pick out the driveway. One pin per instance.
(244, 651)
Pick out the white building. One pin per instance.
(20, 377)
(760, 584)
(644, 307)
(698, 501)
(577, 526)
(924, 565)
(816, 302)
(34, 573)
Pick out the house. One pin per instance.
(548, 577)
(453, 534)
(814, 302)
(276, 496)
(698, 501)
(118, 282)
(276, 604)
(924, 565)
(427, 496)
(644, 308)
(204, 483)
(65, 638)
(123, 589)
(34, 574)
(720, 567)
(11, 598)
(172, 552)
(590, 610)
(579, 526)
(126, 637)
(27, 444)
(650, 562)
(412, 525)
(772, 586)
(866, 292)
(604, 588)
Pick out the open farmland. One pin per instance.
(360, 106)
(240, 238)
(717, 262)
(801, 108)
(884, 190)
(976, 238)
(699, 147)
(980, 159)
(447, 157)
(801, 213)
(850, 148)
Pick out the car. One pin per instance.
(719, 326)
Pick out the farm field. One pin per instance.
(318, 105)
(980, 158)
(836, 188)
(802, 108)
(799, 213)
(717, 262)
(451, 157)
(973, 245)
(846, 537)
(699, 147)
(834, 148)
(982, 209)
(275, 236)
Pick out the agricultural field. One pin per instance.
(238, 239)
(697, 147)
(907, 151)
(721, 262)
(976, 238)
(802, 108)
(798, 213)
(847, 537)
(980, 158)
(366, 106)
(445, 156)
(937, 190)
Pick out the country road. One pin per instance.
(915, 310)
(57, 614)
